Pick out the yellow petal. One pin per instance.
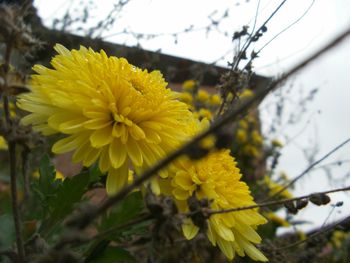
(67, 144)
(117, 178)
(189, 229)
(104, 162)
(134, 152)
(101, 137)
(226, 248)
(117, 153)
(136, 132)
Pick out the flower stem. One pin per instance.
(10, 130)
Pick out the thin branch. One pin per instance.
(309, 168)
(282, 31)
(10, 130)
(250, 39)
(274, 203)
(322, 231)
(81, 220)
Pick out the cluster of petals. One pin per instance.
(108, 111)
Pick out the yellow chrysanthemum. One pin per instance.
(186, 97)
(110, 111)
(241, 136)
(217, 178)
(215, 100)
(205, 113)
(189, 85)
(202, 95)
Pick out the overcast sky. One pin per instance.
(326, 122)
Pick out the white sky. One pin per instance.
(325, 124)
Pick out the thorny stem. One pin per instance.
(273, 203)
(12, 157)
(309, 168)
(84, 218)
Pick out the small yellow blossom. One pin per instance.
(59, 176)
(204, 113)
(246, 93)
(241, 136)
(276, 143)
(275, 188)
(256, 138)
(202, 96)
(279, 221)
(186, 98)
(3, 143)
(250, 150)
(243, 124)
(215, 100)
(338, 237)
(189, 85)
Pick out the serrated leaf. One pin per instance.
(69, 193)
(112, 255)
(47, 184)
(128, 209)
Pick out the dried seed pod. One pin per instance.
(319, 199)
(291, 207)
(301, 203)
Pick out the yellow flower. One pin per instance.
(204, 113)
(276, 143)
(243, 124)
(256, 138)
(241, 136)
(186, 97)
(189, 85)
(217, 178)
(275, 188)
(338, 237)
(250, 150)
(215, 100)
(3, 143)
(279, 221)
(59, 176)
(202, 96)
(246, 93)
(110, 111)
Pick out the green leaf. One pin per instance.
(69, 193)
(47, 184)
(112, 255)
(128, 209)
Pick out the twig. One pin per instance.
(25, 172)
(273, 203)
(251, 37)
(12, 157)
(322, 231)
(81, 220)
(309, 168)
